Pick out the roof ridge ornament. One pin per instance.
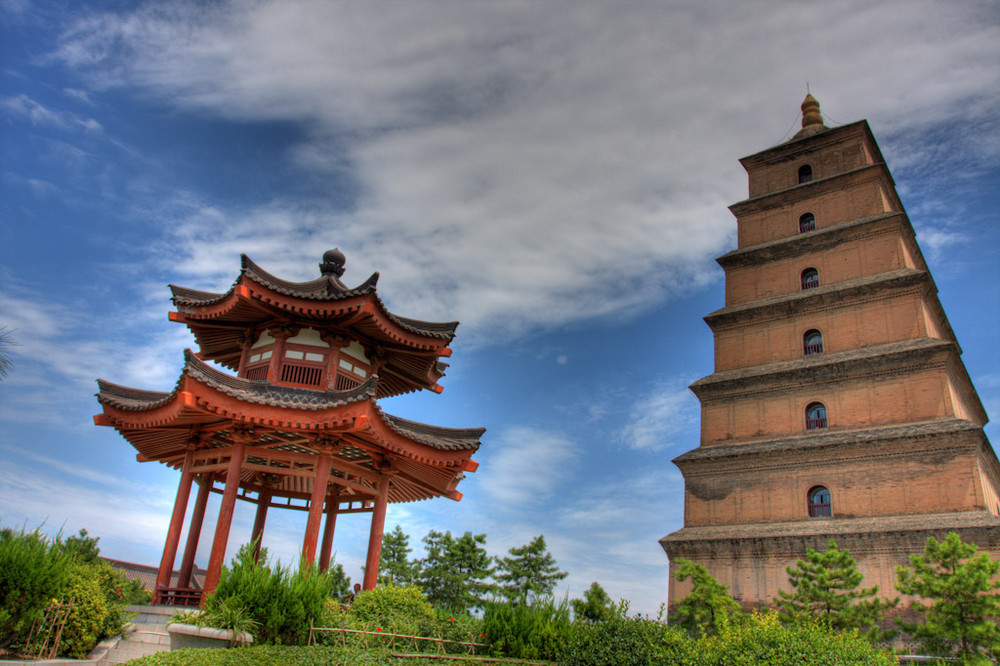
(333, 263)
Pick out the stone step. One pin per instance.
(140, 635)
(126, 651)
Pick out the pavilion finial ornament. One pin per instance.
(333, 262)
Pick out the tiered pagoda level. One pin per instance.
(839, 407)
(298, 426)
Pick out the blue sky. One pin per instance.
(555, 175)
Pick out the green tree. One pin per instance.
(528, 571)
(825, 587)
(456, 572)
(395, 566)
(81, 547)
(6, 342)
(595, 606)
(340, 583)
(960, 584)
(707, 607)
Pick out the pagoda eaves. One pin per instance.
(405, 352)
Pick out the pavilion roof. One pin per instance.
(258, 300)
(285, 426)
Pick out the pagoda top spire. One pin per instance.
(812, 119)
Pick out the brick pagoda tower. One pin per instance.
(839, 407)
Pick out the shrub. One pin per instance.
(283, 603)
(761, 639)
(457, 627)
(394, 608)
(620, 640)
(275, 655)
(32, 571)
(538, 630)
(86, 621)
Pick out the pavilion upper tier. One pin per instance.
(319, 334)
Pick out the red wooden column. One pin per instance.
(280, 336)
(176, 523)
(257, 535)
(225, 519)
(194, 531)
(375, 537)
(248, 339)
(316, 509)
(326, 549)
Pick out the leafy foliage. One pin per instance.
(595, 605)
(707, 606)
(275, 655)
(33, 570)
(960, 585)
(394, 565)
(536, 630)
(340, 582)
(760, 639)
(400, 610)
(86, 621)
(621, 640)
(283, 603)
(6, 342)
(528, 571)
(82, 547)
(826, 588)
(456, 572)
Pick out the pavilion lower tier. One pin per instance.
(751, 559)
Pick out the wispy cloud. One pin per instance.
(658, 418)
(526, 464)
(39, 115)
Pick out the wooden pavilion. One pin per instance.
(297, 427)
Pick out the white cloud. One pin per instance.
(658, 418)
(526, 464)
(523, 166)
(39, 115)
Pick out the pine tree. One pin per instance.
(528, 571)
(825, 587)
(595, 606)
(395, 566)
(456, 572)
(6, 342)
(707, 606)
(960, 584)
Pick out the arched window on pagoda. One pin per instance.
(815, 416)
(805, 174)
(810, 278)
(819, 502)
(807, 223)
(812, 342)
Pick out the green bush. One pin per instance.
(86, 621)
(283, 603)
(33, 570)
(620, 640)
(538, 630)
(460, 627)
(280, 655)
(760, 639)
(393, 608)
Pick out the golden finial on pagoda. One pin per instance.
(810, 112)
